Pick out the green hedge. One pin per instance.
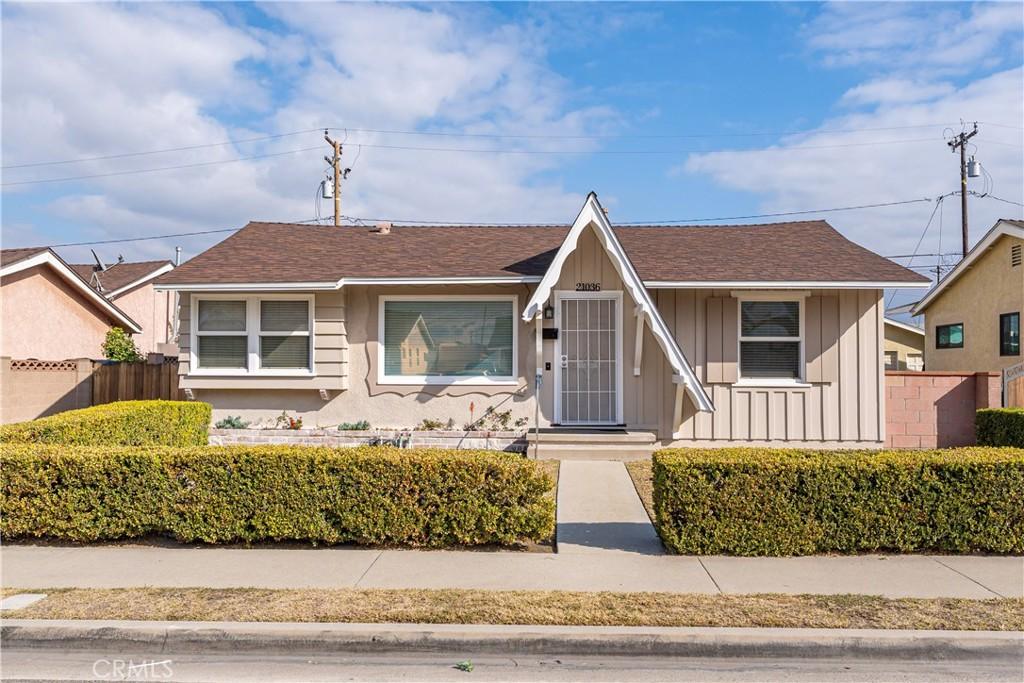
(790, 502)
(1000, 427)
(124, 423)
(368, 495)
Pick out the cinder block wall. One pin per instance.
(936, 409)
(31, 388)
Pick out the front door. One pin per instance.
(589, 378)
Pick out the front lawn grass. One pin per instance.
(643, 480)
(525, 607)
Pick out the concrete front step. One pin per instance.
(575, 451)
(593, 437)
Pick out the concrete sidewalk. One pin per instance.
(34, 567)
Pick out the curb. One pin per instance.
(313, 638)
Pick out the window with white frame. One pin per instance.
(770, 340)
(260, 335)
(435, 340)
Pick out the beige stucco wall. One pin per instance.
(990, 287)
(902, 342)
(152, 311)
(43, 317)
(841, 404)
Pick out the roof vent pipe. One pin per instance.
(384, 228)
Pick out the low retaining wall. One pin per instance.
(492, 441)
(936, 409)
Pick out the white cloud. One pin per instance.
(893, 91)
(87, 80)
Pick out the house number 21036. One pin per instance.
(588, 286)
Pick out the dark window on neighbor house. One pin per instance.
(892, 360)
(1009, 334)
(949, 336)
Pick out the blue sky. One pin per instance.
(599, 80)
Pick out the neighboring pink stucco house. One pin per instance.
(49, 311)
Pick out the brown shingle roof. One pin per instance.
(805, 251)
(9, 256)
(118, 275)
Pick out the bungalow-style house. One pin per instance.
(904, 346)
(754, 334)
(53, 310)
(973, 314)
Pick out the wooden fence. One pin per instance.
(136, 381)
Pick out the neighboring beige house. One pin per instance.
(130, 286)
(973, 314)
(49, 312)
(904, 346)
(753, 334)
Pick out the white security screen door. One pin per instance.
(589, 349)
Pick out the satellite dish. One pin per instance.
(100, 266)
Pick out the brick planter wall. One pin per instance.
(936, 409)
(492, 441)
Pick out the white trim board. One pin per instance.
(349, 281)
(783, 284)
(592, 214)
(48, 257)
(167, 267)
(904, 326)
(1000, 229)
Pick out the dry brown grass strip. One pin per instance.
(526, 607)
(643, 480)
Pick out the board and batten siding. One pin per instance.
(843, 396)
(330, 349)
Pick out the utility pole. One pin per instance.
(335, 162)
(960, 142)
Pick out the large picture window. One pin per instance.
(1009, 334)
(252, 335)
(448, 340)
(770, 340)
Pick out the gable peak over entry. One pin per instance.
(592, 216)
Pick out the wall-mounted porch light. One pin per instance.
(549, 312)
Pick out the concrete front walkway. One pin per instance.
(599, 511)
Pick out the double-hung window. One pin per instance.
(771, 344)
(447, 340)
(270, 335)
(1009, 334)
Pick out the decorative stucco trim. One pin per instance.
(50, 258)
(592, 214)
(1000, 229)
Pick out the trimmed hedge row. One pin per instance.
(1000, 427)
(124, 423)
(748, 501)
(368, 495)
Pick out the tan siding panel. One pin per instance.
(716, 372)
(812, 328)
(730, 320)
(829, 338)
(849, 427)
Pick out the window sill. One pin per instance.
(447, 382)
(772, 384)
(246, 373)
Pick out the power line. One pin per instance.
(938, 203)
(161, 237)
(998, 199)
(510, 136)
(67, 179)
(456, 223)
(659, 222)
(162, 151)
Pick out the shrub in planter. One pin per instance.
(1000, 427)
(417, 497)
(124, 423)
(750, 501)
